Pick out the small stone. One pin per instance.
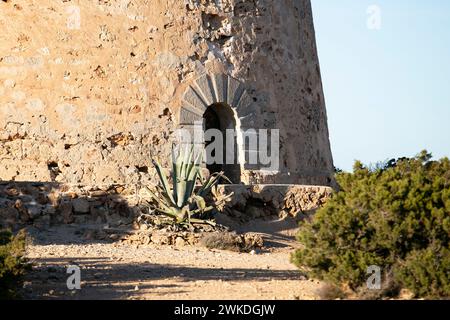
(81, 205)
(143, 227)
(98, 275)
(98, 193)
(160, 239)
(90, 235)
(114, 237)
(12, 192)
(71, 194)
(180, 242)
(66, 212)
(98, 214)
(49, 210)
(113, 220)
(42, 199)
(135, 225)
(34, 211)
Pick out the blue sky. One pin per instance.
(388, 90)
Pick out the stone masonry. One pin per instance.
(91, 89)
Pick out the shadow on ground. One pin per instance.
(55, 216)
(102, 279)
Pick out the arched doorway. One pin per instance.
(220, 116)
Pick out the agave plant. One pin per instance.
(184, 201)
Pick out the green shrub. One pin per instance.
(12, 265)
(395, 216)
(426, 272)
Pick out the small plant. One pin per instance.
(12, 264)
(232, 241)
(184, 201)
(221, 241)
(330, 291)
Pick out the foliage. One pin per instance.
(12, 264)
(395, 216)
(427, 272)
(184, 199)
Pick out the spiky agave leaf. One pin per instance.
(192, 176)
(176, 163)
(184, 179)
(212, 180)
(163, 180)
(161, 200)
(200, 221)
(199, 202)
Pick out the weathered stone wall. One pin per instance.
(90, 89)
(45, 204)
(262, 201)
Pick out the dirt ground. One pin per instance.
(120, 271)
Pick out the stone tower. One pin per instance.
(90, 89)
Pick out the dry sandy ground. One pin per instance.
(118, 271)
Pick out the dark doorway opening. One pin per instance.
(220, 116)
